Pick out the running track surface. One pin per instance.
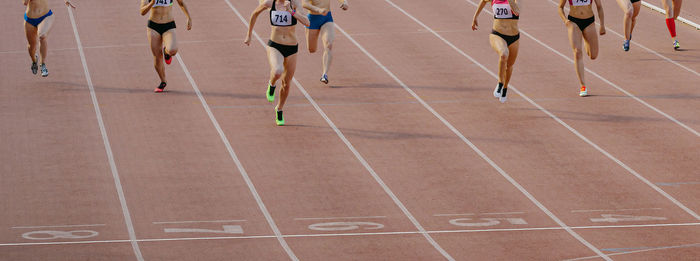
(404, 156)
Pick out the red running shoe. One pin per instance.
(161, 87)
(167, 57)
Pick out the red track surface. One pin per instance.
(547, 183)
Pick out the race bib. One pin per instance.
(281, 18)
(163, 3)
(580, 2)
(502, 11)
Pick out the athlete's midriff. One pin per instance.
(506, 26)
(582, 12)
(325, 4)
(162, 14)
(284, 35)
(37, 8)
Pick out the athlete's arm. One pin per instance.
(146, 6)
(601, 15)
(264, 5)
(562, 4)
(515, 7)
(344, 4)
(187, 13)
(311, 7)
(300, 16)
(26, 2)
(475, 23)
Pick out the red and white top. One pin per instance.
(502, 10)
(580, 2)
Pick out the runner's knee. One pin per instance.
(278, 71)
(504, 55)
(578, 54)
(594, 55)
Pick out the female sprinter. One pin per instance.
(161, 33)
(673, 9)
(631, 9)
(282, 46)
(504, 39)
(581, 23)
(322, 24)
(38, 21)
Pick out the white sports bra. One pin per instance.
(162, 2)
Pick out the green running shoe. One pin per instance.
(279, 119)
(270, 93)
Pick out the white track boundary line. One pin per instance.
(644, 47)
(60, 226)
(584, 138)
(201, 221)
(638, 251)
(108, 147)
(357, 154)
(350, 234)
(661, 10)
(239, 165)
(467, 141)
(332, 218)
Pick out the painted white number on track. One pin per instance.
(52, 234)
(485, 222)
(613, 218)
(342, 226)
(227, 229)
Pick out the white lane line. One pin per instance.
(676, 184)
(638, 251)
(462, 137)
(612, 210)
(200, 221)
(108, 147)
(58, 226)
(333, 218)
(661, 10)
(640, 45)
(453, 215)
(239, 165)
(359, 157)
(584, 138)
(353, 234)
(504, 213)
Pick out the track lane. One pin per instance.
(164, 146)
(53, 153)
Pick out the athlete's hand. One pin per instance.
(344, 6)
(247, 40)
(324, 11)
(475, 25)
(26, 2)
(602, 30)
(68, 3)
(189, 24)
